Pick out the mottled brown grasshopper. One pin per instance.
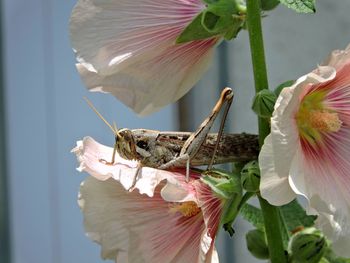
(166, 150)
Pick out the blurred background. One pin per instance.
(43, 114)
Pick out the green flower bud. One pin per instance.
(222, 183)
(228, 186)
(280, 87)
(264, 102)
(256, 243)
(308, 246)
(269, 4)
(250, 177)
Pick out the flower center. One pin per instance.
(325, 121)
(313, 118)
(187, 209)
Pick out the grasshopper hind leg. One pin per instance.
(229, 99)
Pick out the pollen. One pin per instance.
(315, 119)
(324, 121)
(187, 209)
(313, 124)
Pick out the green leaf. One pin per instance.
(300, 6)
(338, 260)
(341, 260)
(194, 31)
(238, 23)
(210, 21)
(294, 216)
(221, 18)
(253, 215)
(333, 258)
(257, 244)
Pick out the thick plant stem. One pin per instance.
(270, 213)
(273, 231)
(258, 57)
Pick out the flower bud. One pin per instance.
(222, 183)
(256, 244)
(308, 246)
(283, 85)
(250, 176)
(268, 5)
(264, 102)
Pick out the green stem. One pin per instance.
(270, 213)
(273, 231)
(245, 199)
(236, 206)
(258, 57)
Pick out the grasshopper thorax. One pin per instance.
(125, 144)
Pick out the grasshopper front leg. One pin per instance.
(194, 142)
(113, 156)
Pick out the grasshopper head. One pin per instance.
(125, 144)
(124, 140)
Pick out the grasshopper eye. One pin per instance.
(142, 145)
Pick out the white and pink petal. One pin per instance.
(128, 49)
(274, 185)
(317, 167)
(114, 32)
(149, 84)
(338, 58)
(91, 153)
(173, 221)
(136, 228)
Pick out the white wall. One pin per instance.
(46, 115)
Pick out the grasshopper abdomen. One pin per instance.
(165, 146)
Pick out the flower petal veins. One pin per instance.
(174, 221)
(128, 49)
(310, 135)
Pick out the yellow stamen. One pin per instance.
(314, 118)
(187, 209)
(325, 121)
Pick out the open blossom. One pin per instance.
(161, 219)
(308, 150)
(127, 48)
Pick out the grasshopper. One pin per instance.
(166, 150)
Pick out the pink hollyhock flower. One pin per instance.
(308, 150)
(162, 219)
(127, 48)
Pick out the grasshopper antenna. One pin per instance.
(113, 128)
